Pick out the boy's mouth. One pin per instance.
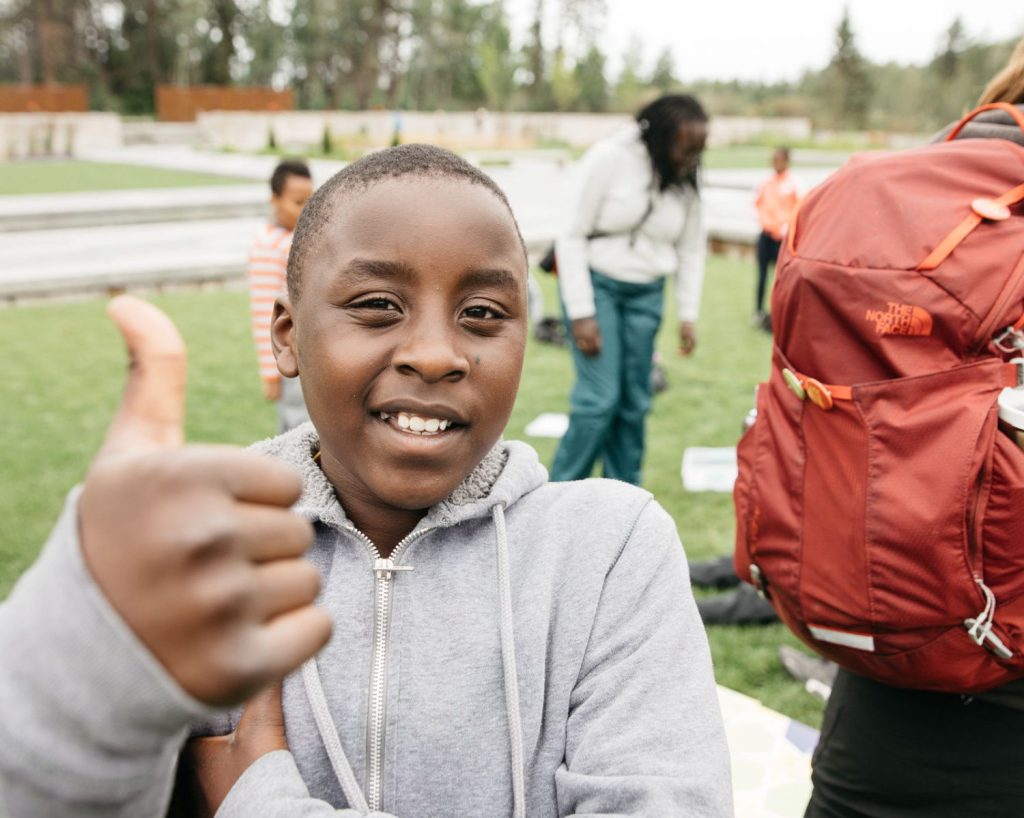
(416, 424)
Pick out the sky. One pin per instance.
(774, 40)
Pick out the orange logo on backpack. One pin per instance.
(901, 319)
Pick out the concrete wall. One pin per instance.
(59, 134)
(69, 134)
(302, 130)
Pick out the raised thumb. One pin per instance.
(152, 410)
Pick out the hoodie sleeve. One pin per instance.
(92, 723)
(645, 735)
(273, 788)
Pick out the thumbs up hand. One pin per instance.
(195, 546)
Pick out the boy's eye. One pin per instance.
(375, 303)
(483, 312)
(375, 310)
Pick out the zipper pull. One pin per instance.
(383, 568)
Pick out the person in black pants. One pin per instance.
(888, 752)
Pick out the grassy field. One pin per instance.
(66, 364)
(70, 176)
(760, 156)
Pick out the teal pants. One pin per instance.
(612, 394)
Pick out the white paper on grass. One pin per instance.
(548, 424)
(706, 469)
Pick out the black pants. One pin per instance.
(767, 252)
(886, 752)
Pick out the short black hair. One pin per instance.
(284, 169)
(424, 161)
(659, 127)
(783, 149)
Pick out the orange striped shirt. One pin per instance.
(268, 263)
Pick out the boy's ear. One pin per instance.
(282, 337)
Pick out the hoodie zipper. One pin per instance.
(383, 569)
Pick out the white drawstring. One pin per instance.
(332, 741)
(329, 733)
(508, 663)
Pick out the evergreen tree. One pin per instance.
(663, 77)
(847, 81)
(593, 86)
(565, 89)
(497, 66)
(629, 90)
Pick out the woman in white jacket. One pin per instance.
(636, 221)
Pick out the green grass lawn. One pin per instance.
(69, 176)
(65, 370)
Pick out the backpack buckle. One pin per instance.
(1009, 340)
(985, 638)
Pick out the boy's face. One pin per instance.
(780, 162)
(294, 195)
(409, 336)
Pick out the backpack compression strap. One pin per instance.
(981, 209)
(823, 395)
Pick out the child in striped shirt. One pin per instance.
(290, 186)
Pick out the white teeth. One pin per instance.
(418, 425)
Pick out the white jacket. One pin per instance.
(616, 184)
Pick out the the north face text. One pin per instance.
(900, 319)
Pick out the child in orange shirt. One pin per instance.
(776, 201)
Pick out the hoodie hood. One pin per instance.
(994, 124)
(508, 471)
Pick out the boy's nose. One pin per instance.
(432, 353)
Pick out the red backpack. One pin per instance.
(879, 506)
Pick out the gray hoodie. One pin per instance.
(531, 648)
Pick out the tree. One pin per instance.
(949, 83)
(663, 77)
(497, 66)
(565, 90)
(846, 81)
(955, 41)
(629, 89)
(590, 78)
(444, 69)
(538, 91)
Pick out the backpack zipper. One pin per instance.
(1011, 289)
(973, 540)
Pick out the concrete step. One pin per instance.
(53, 211)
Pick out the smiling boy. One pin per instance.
(503, 645)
